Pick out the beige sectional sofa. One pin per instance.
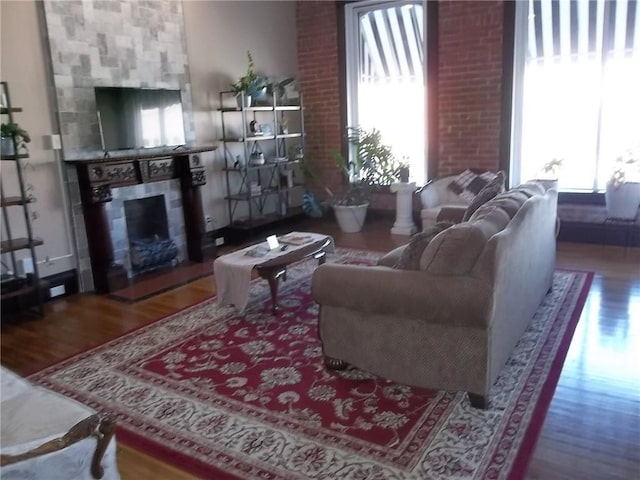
(452, 324)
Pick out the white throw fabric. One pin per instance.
(31, 416)
(232, 272)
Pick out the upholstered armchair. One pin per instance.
(441, 203)
(47, 435)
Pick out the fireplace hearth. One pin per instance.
(150, 246)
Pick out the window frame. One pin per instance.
(351, 61)
(520, 40)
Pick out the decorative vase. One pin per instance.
(7, 146)
(404, 174)
(622, 200)
(350, 218)
(240, 98)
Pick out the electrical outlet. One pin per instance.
(57, 291)
(219, 241)
(207, 219)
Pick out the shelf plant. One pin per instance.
(13, 132)
(551, 169)
(547, 176)
(250, 84)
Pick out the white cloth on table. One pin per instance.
(232, 272)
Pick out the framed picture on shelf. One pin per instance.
(266, 129)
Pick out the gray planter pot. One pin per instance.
(247, 101)
(350, 218)
(623, 200)
(7, 146)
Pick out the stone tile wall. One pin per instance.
(119, 43)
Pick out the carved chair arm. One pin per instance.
(101, 427)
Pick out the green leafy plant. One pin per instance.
(626, 168)
(373, 165)
(250, 83)
(551, 169)
(403, 170)
(14, 130)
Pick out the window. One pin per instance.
(385, 44)
(576, 88)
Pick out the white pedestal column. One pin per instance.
(404, 201)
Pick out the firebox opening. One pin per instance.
(150, 246)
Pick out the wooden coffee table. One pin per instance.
(276, 268)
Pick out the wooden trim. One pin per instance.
(94, 426)
(106, 429)
(129, 156)
(506, 111)
(342, 76)
(431, 97)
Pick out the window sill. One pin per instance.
(581, 198)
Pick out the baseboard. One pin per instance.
(54, 286)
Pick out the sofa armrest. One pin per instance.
(455, 300)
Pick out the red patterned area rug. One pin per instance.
(228, 395)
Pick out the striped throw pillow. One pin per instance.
(468, 184)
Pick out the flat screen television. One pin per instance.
(131, 118)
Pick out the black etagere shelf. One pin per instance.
(26, 289)
(264, 158)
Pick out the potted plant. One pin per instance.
(373, 165)
(10, 133)
(548, 174)
(622, 194)
(249, 85)
(403, 170)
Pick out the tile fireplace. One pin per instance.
(107, 183)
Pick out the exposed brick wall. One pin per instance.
(319, 81)
(469, 81)
(470, 75)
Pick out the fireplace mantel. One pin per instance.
(118, 156)
(98, 175)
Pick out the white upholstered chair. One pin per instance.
(45, 435)
(441, 203)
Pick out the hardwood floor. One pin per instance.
(592, 429)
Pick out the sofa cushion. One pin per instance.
(410, 256)
(509, 201)
(451, 213)
(456, 250)
(490, 190)
(509, 204)
(530, 189)
(490, 218)
(468, 184)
